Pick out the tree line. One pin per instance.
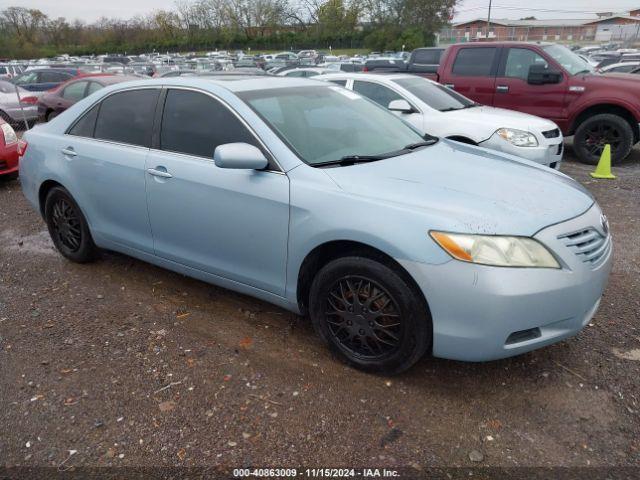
(230, 24)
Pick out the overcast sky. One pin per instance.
(90, 10)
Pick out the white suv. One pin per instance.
(440, 111)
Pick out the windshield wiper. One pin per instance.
(427, 143)
(472, 105)
(352, 160)
(583, 71)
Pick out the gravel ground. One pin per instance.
(126, 364)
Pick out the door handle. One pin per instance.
(502, 88)
(69, 152)
(159, 173)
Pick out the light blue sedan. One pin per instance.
(310, 197)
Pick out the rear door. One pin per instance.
(50, 79)
(473, 73)
(106, 151)
(230, 223)
(514, 93)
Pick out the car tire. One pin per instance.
(596, 131)
(68, 227)
(370, 315)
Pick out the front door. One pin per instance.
(230, 223)
(514, 93)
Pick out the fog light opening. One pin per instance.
(523, 336)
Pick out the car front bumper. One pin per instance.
(482, 313)
(549, 151)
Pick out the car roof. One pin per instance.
(232, 83)
(368, 76)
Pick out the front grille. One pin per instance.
(560, 146)
(555, 133)
(3, 165)
(589, 244)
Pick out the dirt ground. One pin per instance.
(119, 363)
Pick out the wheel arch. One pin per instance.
(610, 108)
(331, 250)
(44, 190)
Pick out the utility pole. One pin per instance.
(489, 19)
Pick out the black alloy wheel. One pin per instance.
(363, 318)
(68, 227)
(370, 313)
(595, 132)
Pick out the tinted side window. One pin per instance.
(474, 62)
(195, 124)
(85, 126)
(427, 57)
(127, 117)
(53, 77)
(94, 87)
(378, 93)
(75, 91)
(519, 60)
(342, 83)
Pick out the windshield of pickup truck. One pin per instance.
(571, 62)
(436, 96)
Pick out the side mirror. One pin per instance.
(541, 74)
(240, 156)
(401, 106)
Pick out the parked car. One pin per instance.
(9, 70)
(320, 201)
(437, 110)
(304, 72)
(384, 65)
(425, 61)
(42, 79)
(550, 81)
(14, 111)
(624, 67)
(53, 103)
(8, 152)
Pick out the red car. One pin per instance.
(8, 152)
(549, 81)
(56, 101)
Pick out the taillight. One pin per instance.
(365, 69)
(9, 134)
(22, 147)
(29, 100)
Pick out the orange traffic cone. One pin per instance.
(603, 170)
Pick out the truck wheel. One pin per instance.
(595, 132)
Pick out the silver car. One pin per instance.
(14, 110)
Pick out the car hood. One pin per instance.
(490, 119)
(469, 189)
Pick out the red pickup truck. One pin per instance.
(550, 81)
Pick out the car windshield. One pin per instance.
(571, 62)
(436, 96)
(325, 124)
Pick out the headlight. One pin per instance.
(9, 135)
(519, 138)
(499, 251)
